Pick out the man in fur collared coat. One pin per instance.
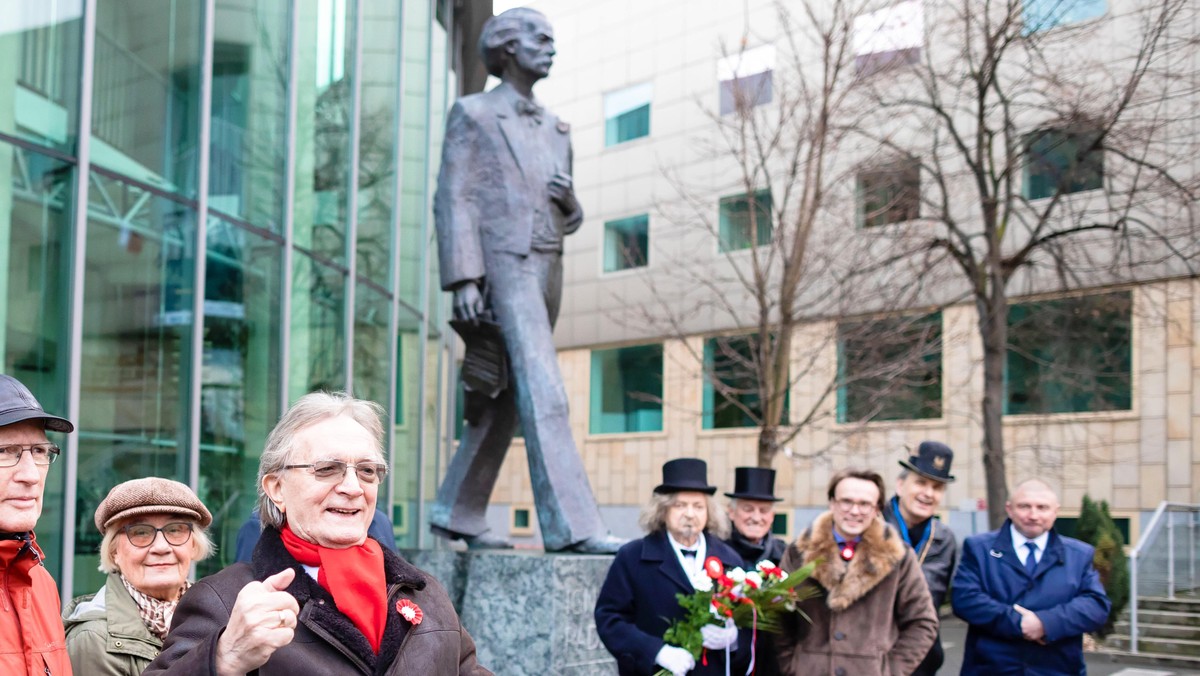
(874, 615)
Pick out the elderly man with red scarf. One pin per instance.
(319, 596)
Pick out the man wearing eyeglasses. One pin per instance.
(31, 630)
(874, 616)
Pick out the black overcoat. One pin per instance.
(637, 604)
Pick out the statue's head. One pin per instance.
(520, 37)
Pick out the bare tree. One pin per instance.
(787, 252)
(1056, 151)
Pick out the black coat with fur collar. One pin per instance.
(325, 641)
(874, 616)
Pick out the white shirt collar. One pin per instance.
(1019, 541)
(691, 565)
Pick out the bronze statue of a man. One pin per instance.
(504, 202)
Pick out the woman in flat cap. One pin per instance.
(153, 530)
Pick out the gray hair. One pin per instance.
(309, 410)
(201, 543)
(500, 30)
(654, 515)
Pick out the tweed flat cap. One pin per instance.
(152, 495)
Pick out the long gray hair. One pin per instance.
(308, 410)
(654, 515)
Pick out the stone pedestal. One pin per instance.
(529, 612)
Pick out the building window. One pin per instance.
(781, 527)
(1040, 15)
(1070, 355)
(888, 38)
(1062, 161)
(745, 79)
(890, 369)
(627, 114)
(889, 194)
(730, 361)
(626, 391)
(626, 242)
(522, 521)
(741, 226)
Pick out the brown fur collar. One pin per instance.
(876, 555)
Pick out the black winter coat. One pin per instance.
(637, 603)
(766, 658)
(326, 641)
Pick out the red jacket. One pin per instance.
(31, 629)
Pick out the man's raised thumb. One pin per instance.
(280, 581)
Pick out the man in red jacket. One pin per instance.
(31, 630)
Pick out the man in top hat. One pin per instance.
(752, 512)
(31, 630)
(637, 601)
(913, 512)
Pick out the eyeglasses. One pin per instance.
(42, 454)
(847, 505)
(335, 470)
(141, 535)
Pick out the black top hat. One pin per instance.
(685, 474)
(933, 460)
(18, 404)
(754, 483)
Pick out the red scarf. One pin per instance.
(355, 578)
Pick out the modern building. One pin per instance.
(1102, 382)
(207, 209)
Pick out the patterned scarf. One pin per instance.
(156, 613)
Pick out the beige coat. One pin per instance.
(873, 616)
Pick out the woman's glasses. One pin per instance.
(142, 535)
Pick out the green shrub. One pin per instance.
(1096, 527)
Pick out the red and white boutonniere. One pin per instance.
(410, 611)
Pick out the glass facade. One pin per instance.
(627, 390)
(890, 369)
(731, 361)
(224, 205)
(626, 243)
(745, 221)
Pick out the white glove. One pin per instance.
(720, 638)
(675, 660)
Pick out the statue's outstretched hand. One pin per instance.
(468, 302)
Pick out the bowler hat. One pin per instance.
(18, 404)
(685, 474)
(151, 495)
(933, 460)
(754, 483)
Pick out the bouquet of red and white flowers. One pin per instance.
(753, 599)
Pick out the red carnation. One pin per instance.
(713, 567)
(410, 611)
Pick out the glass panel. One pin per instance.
(421, 139)
(404, 454)
(377, 140)
(626, 390)
(889, 37)
(890, 369)
(323, 112)
(146, 90)
(372, 349)
(239, 389)
(39, 81)
(1062, 161)
(136, 339)
(1045, 14)
(626, 242)
(889, 194)
(745, 78)
(627, 113)
(248, 150)
(1070, 355)
(318, 354)
(738, 222)
(35, 224)
(730, 360)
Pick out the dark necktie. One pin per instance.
(1031, 559)
(689, 553)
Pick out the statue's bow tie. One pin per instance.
(531, 109)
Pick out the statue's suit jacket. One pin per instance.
(477, 206)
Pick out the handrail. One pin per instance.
(1164, 514)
